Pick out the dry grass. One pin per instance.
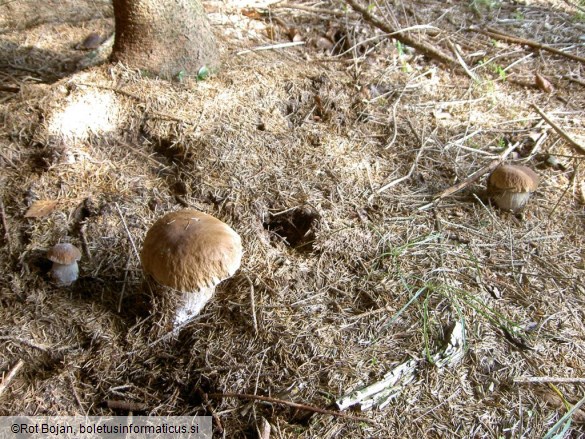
(291, 147)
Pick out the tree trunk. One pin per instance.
(166, 38)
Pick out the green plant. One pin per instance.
(399, 47)
(203, 73)
(559, 430)
(500, 71)
(479, 6)
(406, 67)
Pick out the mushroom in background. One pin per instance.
(92, 41)
(510, 186)
(190, 252)
(64, 257)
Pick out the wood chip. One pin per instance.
(41, 208)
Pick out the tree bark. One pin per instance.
(165, 38)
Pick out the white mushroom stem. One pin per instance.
(192, 302)
(508, 200)
(64, 274)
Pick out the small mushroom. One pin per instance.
(190, 252)
(64, 257)
(510, 186)
(92, 41)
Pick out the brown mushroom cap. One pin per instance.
(513, 178)
(92, 41)
(188, 250)
(64, 254)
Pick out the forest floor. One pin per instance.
(330, 155)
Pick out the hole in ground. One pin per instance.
(296, 227)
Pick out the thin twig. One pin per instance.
(575, 80)
(25, 342)
(209, 407)
(84, 242)
(6, 381)
(296, 405)
(271, 47)
(567, 380)
(402, 36)
(580, 148)
(461, 61)
(575, 5)
(310, 9)
(499, 35)
(472, 178)
(5, 225)
(124, 284)
(412, 168)
(253, 304)
(127, 232)
(75, 393)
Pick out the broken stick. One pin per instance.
(403, 36)
(8, 379)
(580, 148)
(296, 405)
(499, 35)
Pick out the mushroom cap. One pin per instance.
(513, 178)
(92, 41)
(189, 250)
(64, 253)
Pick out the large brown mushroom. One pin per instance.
(510, 186)
(190, 252)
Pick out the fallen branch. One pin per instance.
(499, 35)
(471, 179)
(296, 405)
(403, 36)
(6, 381)
(580, 148)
